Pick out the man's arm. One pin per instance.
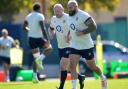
(25, 26)
(68, 37)
(43, 30)
(51, 32)
(91, 27)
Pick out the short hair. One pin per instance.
(4, 31)
(36, 6)
(73, 1)
(58, 4)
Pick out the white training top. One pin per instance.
(33, 20)
(78, 22)
(7, 44)
(61, 28)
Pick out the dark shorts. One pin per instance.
(4, 60)
(64, 52)
(88, 54)
(36, 42)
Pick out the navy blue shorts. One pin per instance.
(36, 42)
(88, 54)
(64, 52)
(4, 60)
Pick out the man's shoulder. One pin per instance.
(81, 12)
(29, 14)
(35, 14)
(10, 38)
(66, 15)
(40, 14)
(53, 18)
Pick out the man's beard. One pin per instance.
(72, 13)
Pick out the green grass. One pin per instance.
(50, 84)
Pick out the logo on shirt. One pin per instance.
(72, 26)
(59, 29)
(89, 54)
(67, 52)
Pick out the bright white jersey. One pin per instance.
(78, 22)
(7, 43)
(33, 20)
(61, 28)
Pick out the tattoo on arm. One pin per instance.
(91, 26)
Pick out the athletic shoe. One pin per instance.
(35, 79)
(39, 64)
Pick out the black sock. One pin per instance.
(79, 76)
(63, 78)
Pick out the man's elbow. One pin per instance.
(94, 28)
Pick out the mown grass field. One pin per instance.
(51, 84)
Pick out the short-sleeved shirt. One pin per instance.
(61, 28)
(77, 22)
(7, 43)
(33, 20)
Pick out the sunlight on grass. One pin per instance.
(51, 84)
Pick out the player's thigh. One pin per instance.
(64, 63)
(91, 63)
(5, 60)
(43, 43)
(33, 44)
(88, 54)
(74, 59)
(64, 56)
(74, 56)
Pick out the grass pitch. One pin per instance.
(51, 84)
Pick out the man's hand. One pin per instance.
(25, 26)
(68, 37)
(79, 33)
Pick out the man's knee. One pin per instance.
(48, 51)
(93, 67)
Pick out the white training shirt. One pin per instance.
(33, 20)
(61, 28)
(77, 22)
(7, 43)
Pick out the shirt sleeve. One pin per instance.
(41, 17)
(86, 16)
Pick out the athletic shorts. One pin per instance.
(36, 42)
(64, 52)
(88, 54)
(4, 60)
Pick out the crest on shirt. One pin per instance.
(67, 52)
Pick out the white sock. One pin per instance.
(34, 74)
(7, 77)
(42, 57)
(102, 77)
(36, 55)
(74, 83)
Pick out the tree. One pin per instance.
(10, 7)
(92, 5)
(96, 5)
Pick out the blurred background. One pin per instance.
(111, 17)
